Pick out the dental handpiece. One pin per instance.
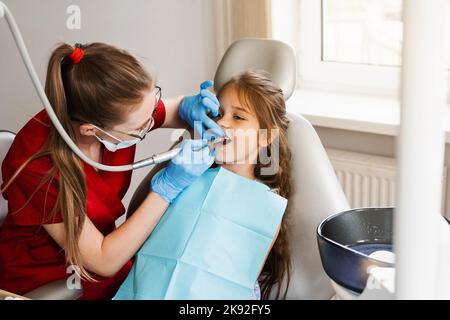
(168, 155)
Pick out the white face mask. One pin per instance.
(113, 147)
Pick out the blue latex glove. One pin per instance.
(194, 110)
(183, 169)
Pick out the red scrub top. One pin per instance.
(29, 257)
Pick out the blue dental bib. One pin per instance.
(210, 244)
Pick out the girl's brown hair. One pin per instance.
(101, 89)
(265, 100)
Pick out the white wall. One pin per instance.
(175, 37)
(374, 144)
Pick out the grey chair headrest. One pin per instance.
(274, 57)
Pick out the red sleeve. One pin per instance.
(30, 205)
(159, 115)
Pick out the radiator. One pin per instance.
(367, 180)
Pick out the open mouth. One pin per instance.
(226, 140)
(221, 141)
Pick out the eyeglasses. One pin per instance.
(151, 122)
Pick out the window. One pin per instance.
(362, 31)
(352, 45)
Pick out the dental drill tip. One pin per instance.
(219, 140)
(222, 140)
(226, 140)
(215, 140)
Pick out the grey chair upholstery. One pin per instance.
(56, 290)
(317, 195)
(274, 57)
(317, 192)
(6, 139)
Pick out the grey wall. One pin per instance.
(174, 37)
(375, 144)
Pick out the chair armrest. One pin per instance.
(56, 290)
(5, 295)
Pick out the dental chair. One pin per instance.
(56, 290)
(6, 139)
(317, 193)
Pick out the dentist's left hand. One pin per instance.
(194, 110)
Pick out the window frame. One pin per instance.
(314, 73)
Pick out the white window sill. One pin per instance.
(351, 112)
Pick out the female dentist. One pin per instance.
(62, 211)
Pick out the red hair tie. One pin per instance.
(76, 55)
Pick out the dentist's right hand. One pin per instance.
(183, 169)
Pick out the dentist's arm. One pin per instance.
(105, 255)
(172, 119)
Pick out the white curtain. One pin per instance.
(236, 19)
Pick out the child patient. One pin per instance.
(253, 115)
(251, 102)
